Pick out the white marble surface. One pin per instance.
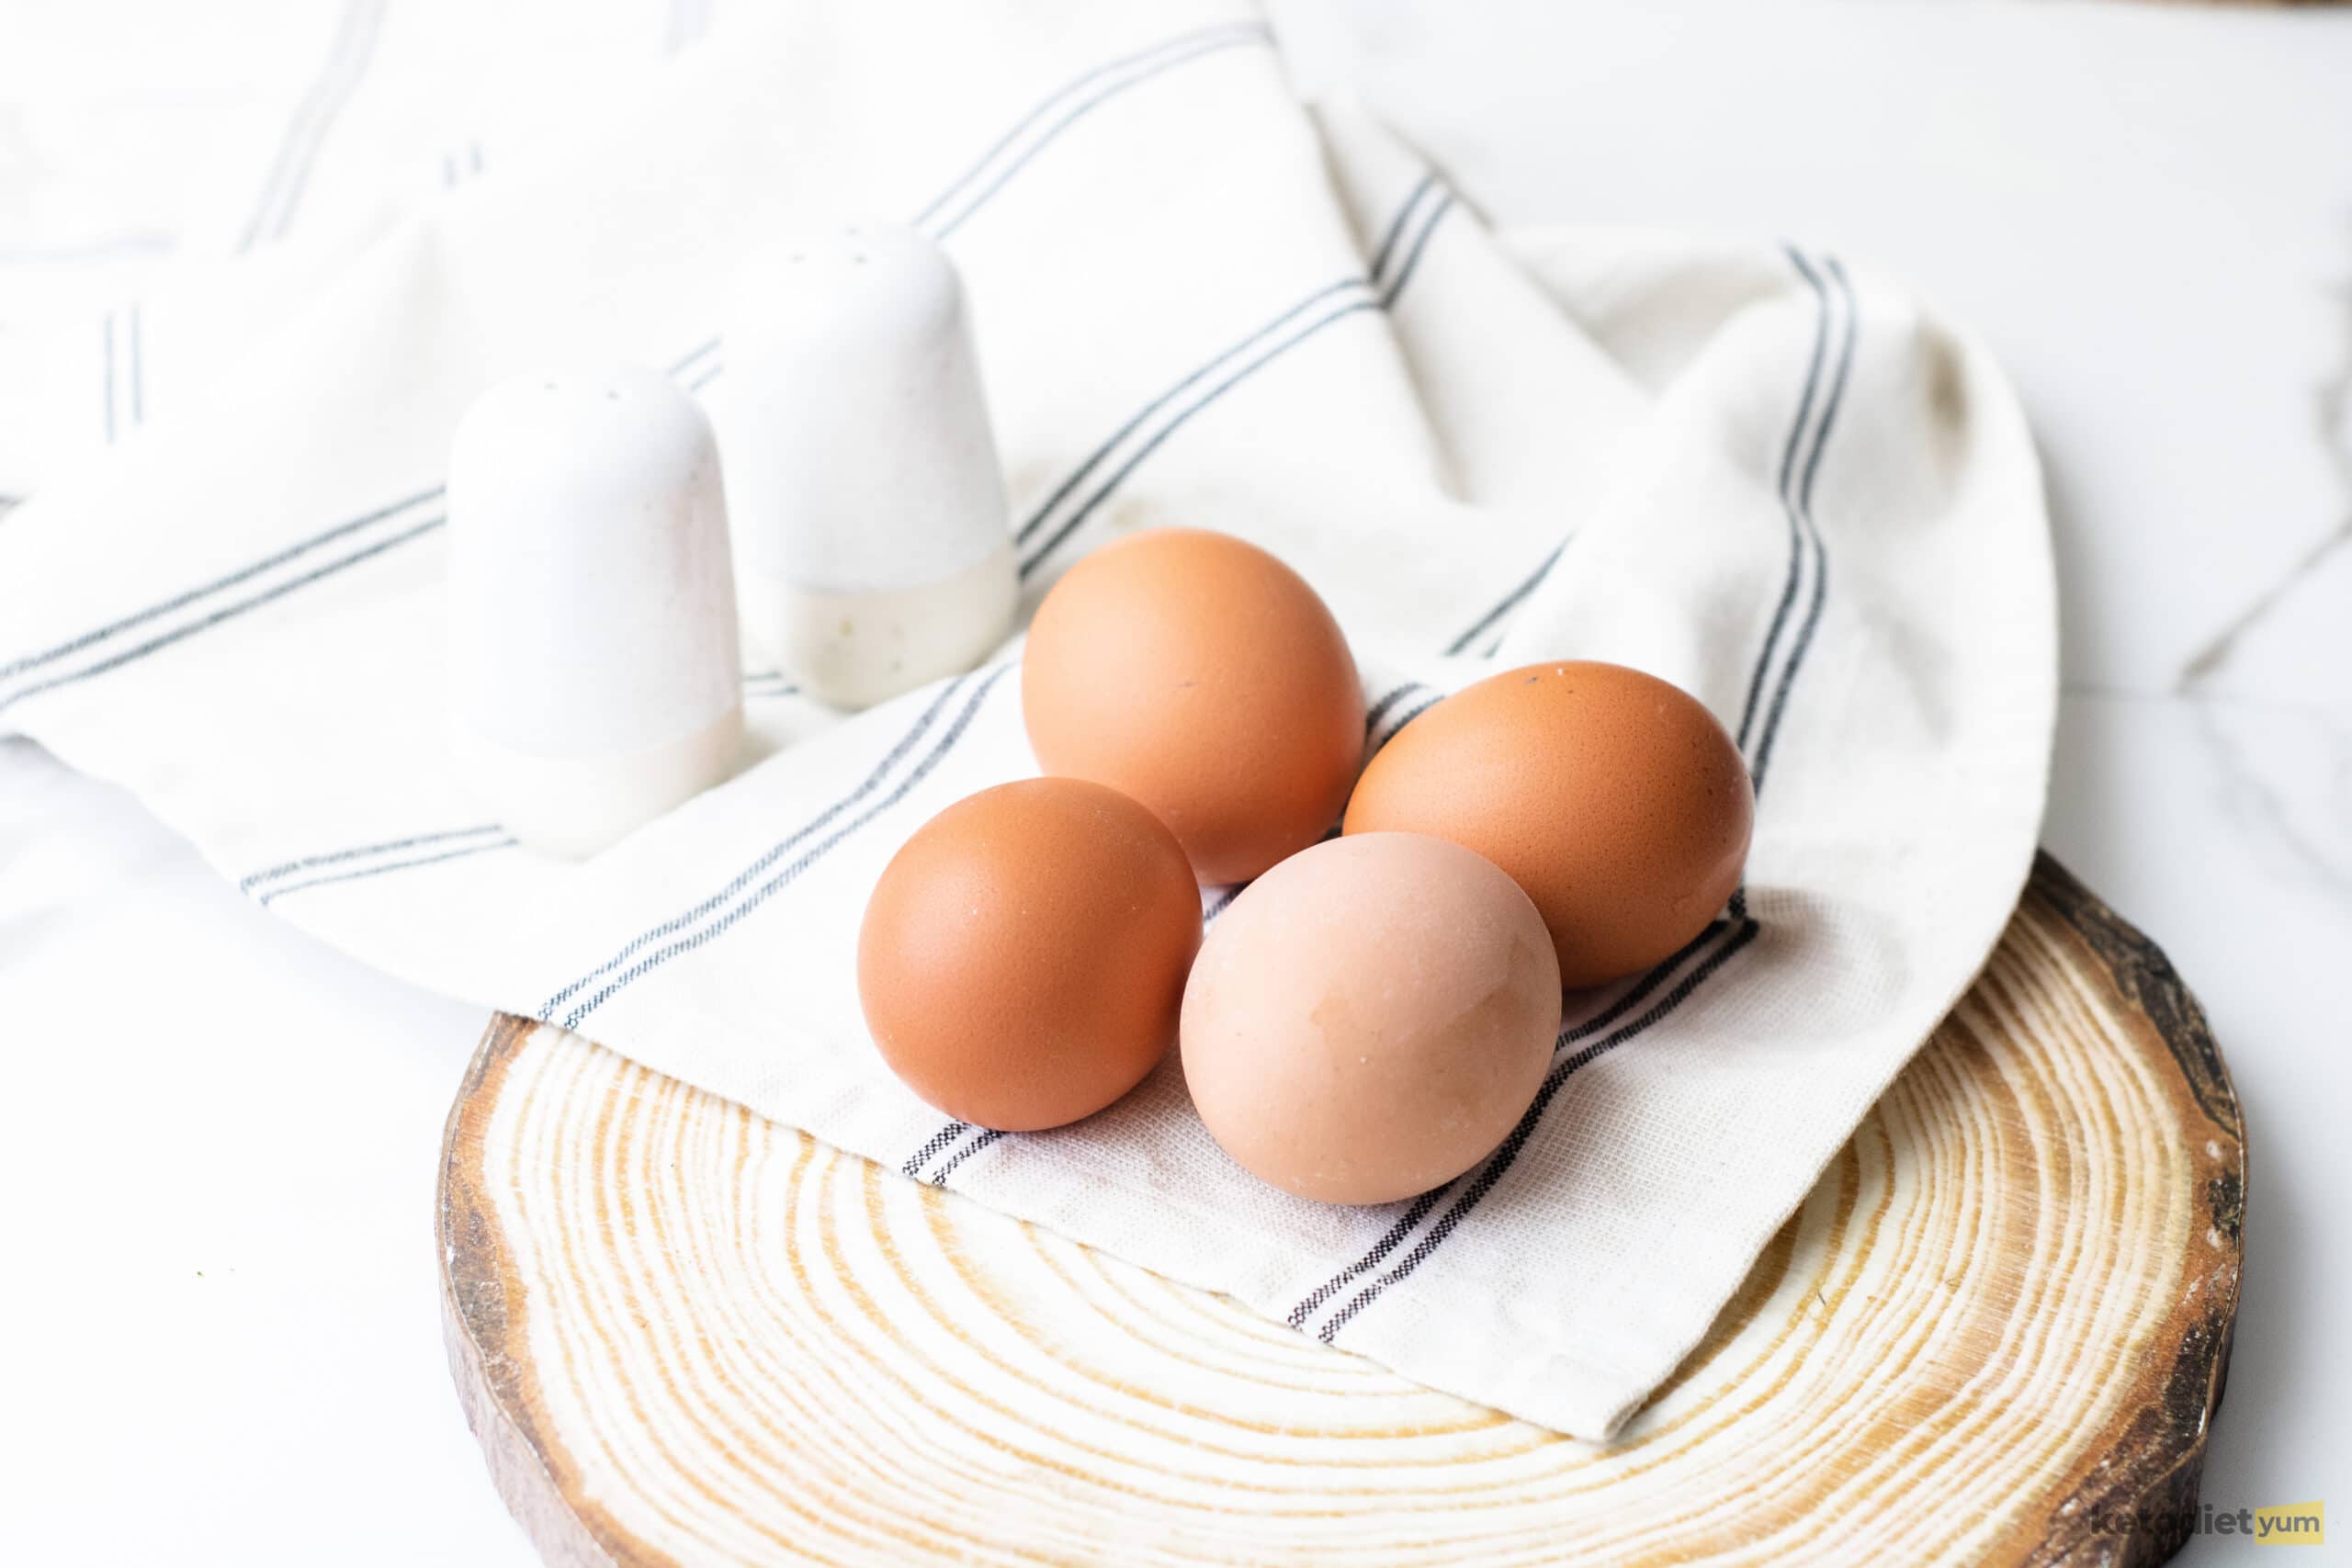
(225, 1304)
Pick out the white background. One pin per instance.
(220, 1301)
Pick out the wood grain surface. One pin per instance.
(1996, 1331)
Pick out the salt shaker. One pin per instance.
(871, 546)
(594, 675)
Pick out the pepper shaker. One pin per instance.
(595, 673)
(871, 543)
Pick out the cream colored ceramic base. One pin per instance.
(855, 649)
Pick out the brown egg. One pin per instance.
(1023, 959)
(1613, 796)
(1199, 675)
(1370, 1017)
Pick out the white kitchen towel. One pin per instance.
(1751, 469)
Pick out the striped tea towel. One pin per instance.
(1755, 470)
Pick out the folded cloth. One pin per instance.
(1752, 469)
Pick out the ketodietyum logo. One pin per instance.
(2283, 1524)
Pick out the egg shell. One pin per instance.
(1370, 1018)
(1199, 675)
(1022, 957)
(1613, 798)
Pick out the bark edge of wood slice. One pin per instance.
(1996, 1331)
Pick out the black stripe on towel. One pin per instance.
(1352, 303)
(228, 612)
(1379, 710)
(726, 919)
(353, 46)
(986, 1140)
(297, 128)
(373, 21)
(1764, 745)
(1412, 262)
(1347, 286)
(943, 1139)
(269, 894)
(1727, 938)
(1148, 64)
(1077, 475)
(295, 551)
(1509, 601)
(1789, 502)
(363, 852)
(690, 364)
(1395, 231)
(938, 1141)
(1045, 104)
(1789, 505)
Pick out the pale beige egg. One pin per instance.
(1370, 1017)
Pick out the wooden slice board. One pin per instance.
(1997, 1327)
